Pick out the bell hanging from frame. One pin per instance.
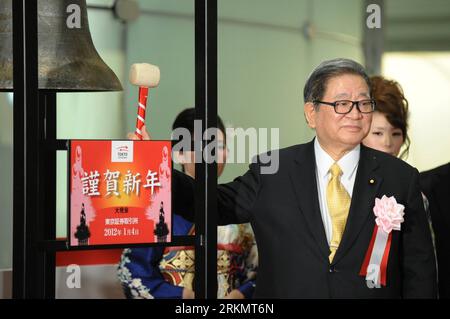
(67, 58)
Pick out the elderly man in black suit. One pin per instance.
(313, 218)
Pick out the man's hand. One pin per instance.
(188, 293)
(234, 294)
(145, 135)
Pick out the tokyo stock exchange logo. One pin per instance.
(122, 151)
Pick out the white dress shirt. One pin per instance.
(348, 164)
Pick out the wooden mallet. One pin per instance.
(145, 76)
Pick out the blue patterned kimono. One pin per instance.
(163, 272)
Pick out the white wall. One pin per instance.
(425, 78)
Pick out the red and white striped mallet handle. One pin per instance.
(145, 76)
(140, 121)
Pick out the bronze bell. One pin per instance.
(67, 58)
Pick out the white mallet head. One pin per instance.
(144, 74)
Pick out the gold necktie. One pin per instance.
(338, 201)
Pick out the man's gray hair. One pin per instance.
(316, 84)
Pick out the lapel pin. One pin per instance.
(371, 181)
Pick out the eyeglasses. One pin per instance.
(346, 106)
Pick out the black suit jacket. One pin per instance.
(283, 209)
(435, 184)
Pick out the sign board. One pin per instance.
(120, 192)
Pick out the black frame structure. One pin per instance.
(206, 171)
(36, 144)
(34, 182)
